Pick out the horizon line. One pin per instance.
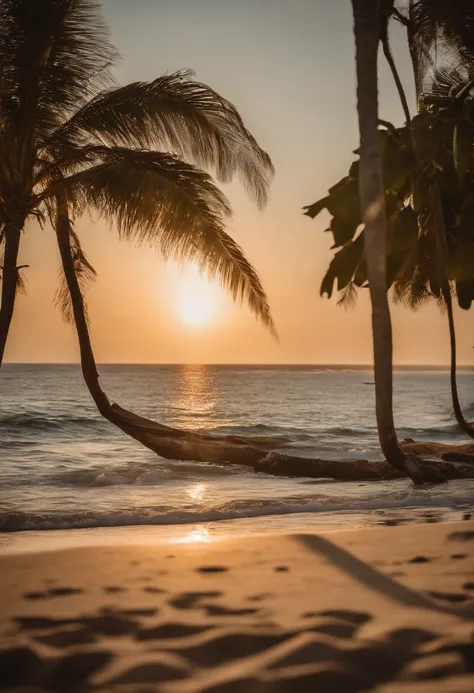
(370, 366)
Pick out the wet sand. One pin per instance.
(388, 609)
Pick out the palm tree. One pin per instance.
(71, 141)
(430, 250)
(367, 35)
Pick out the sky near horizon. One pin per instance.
(288, 65)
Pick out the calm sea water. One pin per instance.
(64, 467)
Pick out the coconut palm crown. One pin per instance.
(71, 139)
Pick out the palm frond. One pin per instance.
(85, 274)
(54, 56)
(442, 37)
(411, 292)
(159, 200)
(446, 82)
(348, 297)
(178, 114)
(21, 281)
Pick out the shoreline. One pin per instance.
(385, 608)
(44, 540)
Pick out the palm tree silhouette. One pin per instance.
(367, 21)
(71, 141)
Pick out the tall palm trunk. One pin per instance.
(367, 33)
(466, 427)
(9, 283)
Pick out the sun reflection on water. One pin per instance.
(195, 401)
(198, 535)
(196, 491)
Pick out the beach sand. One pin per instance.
(388, 609)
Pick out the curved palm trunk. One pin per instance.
(367, 32)
(168, 442)
(466, 427)
(9, 283)
(176, 444)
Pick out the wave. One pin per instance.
(11, 521)
(142, 473)
(431, 432)
(23, 422)
(47, 423)
(468, 411)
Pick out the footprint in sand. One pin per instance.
(419, 559)
(212, 569)
(212, 610)
(72, 672)
(64, 591)
(170, 631)
(407, 639)
(461, 536)
(358, 618)
(190, 600)
(20, 666)
(39, 623)
(230, 646)
(455, 598)
(259, 597)
(155, 672)
(35, 596)
(111, 624)
(63, 639)
(138, 613)
(52, 593)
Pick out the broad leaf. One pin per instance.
(343, 266)
(313, 210)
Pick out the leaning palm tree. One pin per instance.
(367, 34)
(72, 141)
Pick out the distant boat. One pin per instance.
(369, 383)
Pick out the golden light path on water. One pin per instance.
(197, 491)
(196, 397)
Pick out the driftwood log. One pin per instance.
(453, 462)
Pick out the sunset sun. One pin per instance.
(197, 304)
(196, 310)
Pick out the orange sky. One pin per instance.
(288, 66)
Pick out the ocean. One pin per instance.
(64, 468)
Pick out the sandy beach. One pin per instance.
(388, 609)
